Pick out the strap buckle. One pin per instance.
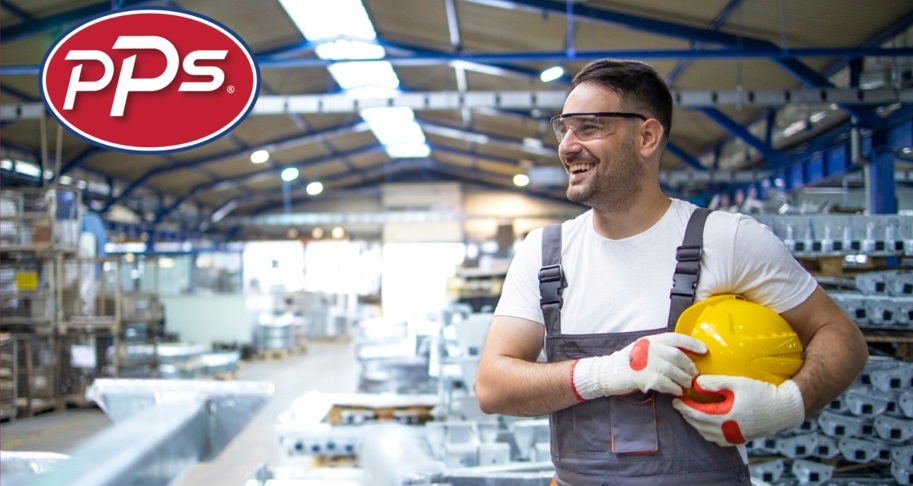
(550, 280)
(689, 253)
(684, 284)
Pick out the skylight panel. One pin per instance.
(322, 19)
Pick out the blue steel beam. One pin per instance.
(821, 164)
(684, 156)
(885, 35)
(789, 61)
(436, 58)
(271, 146)
(772, 155)
(461, 174)
(63, 19)
(714, 26)
(236, 181)
(25, 16)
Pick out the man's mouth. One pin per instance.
(580, 168)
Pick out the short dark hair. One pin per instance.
(640, 87)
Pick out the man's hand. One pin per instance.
(750, 408)
(657, 363)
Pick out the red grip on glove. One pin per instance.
(715, 407)
(732, 432)
(639, 354)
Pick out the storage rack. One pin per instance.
(8, 377)
(865, 433)
(40, 226)
(142, 317)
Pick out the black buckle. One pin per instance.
(550, 285)
(684, 284)
(689, 253)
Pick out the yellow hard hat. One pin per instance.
(743, 339)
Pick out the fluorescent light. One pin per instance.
(368, 73)
(348, 34)
(314, 188)
(349, 49)
(521, 180)
(28, 168)
(551, 74)
(66, 180)
(6, 164)
(319, 19)
(397, 130)
(289, 174)
(408, 150)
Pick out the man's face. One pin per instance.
(604, 173)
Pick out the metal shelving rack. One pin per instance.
(39, 226)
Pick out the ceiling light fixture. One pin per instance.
(551, 74)
(521, 180)
(259, 156)
(314, 188)
(289, 174)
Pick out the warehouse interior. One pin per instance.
(303, 300)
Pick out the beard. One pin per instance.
(615, 185)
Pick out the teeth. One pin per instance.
(579, 167)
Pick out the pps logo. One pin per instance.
(149, 80)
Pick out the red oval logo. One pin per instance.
(149, 80)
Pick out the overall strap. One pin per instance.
(551, 279)
(688, 268)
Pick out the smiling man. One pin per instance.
(595, 293)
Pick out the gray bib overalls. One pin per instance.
(638, 438)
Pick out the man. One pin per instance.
(613, 369)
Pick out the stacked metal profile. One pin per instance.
(829, 235)
(883, 300)
(867, 431)
(460, 446)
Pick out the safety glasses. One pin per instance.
(588, 126)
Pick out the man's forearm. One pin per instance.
(512, 386)
(834, 357)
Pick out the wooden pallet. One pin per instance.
(341, 339)
(274, 354)
(38, 406)
(900, 341)
(76, 400)
(420, 414)
(835, 266)
(227, 376)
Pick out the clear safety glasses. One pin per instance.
(588, 126)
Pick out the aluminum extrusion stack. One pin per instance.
(866, 432)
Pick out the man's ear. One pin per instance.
(651, 137)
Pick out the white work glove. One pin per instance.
(656, 362)
(750, 408)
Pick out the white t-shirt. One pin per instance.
(623, 285)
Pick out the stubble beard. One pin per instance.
(616, 187)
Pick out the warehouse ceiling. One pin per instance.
(736, 67)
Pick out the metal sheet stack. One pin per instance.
(867, 432)
(884, 300)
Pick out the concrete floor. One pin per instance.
(325, 367)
